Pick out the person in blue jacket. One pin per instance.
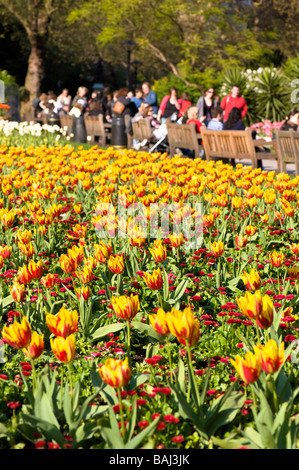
(150, 97)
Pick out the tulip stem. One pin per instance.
(129, 342)
(33, 374)
(71, 383)
(121, 411)
(61, 387)
(191, 377)
(170, 362)
(118, 283)
(160, 299)
(257, 332)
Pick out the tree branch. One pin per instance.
(159, 54)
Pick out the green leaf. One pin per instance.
(104, 330)
(137, 440)
(180, 290)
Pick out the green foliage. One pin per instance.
(7, 78)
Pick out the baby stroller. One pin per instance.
(162, 144)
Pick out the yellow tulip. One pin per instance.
(64, 348)
(271, 356)
(155, 280)
(249, 369)
(159, 322)
(17, 335)
(252, 280)
(115, 372)
(125, 307)
(64, 323)
(184, 326)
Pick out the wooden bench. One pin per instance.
(183, 136)
(97, 129)
(142, 129)
(66, 122)
(287, 144)
(236, 145)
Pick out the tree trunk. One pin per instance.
(35, 72)
(34, 76)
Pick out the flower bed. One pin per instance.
(120, 330)
(24, 134)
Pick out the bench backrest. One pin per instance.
(66, 121)
(229, 144)
(95, 127)
(141, 129)
(182, 136)
(288, 148)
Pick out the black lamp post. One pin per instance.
(136, 64)
(129, 47)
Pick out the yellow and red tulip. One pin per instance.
(265, 319)
(217, 249)
(64, 348)
(35, 269)
(36, 346)
(115, 372)
(158, 251)
(184, 326)
(155, 280)
(276, 259)
(241, 241)
(64, 323)
(125, 307)
(116, 264)
(251, 305)
(84, 292)
(252, 280)
(159, 322)
(17, 335)
(271, 356)
(18, 291)
(48, 280)
(249, 369)
(67, 264)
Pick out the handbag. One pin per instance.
(118, 107)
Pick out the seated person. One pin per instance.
(215, 124)
(234, 121)
(193, 114)
(292, 122)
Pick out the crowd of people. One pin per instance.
(225, 114)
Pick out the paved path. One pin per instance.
(270, 165)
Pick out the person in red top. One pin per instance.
(234, 100)
(184, 103)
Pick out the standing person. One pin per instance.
(205, 104)
(64, 101)
(123, 97)
(81, 95)
(169, 107)
(150, 97)
(108, 103)
(137, 100)
(234, 100)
